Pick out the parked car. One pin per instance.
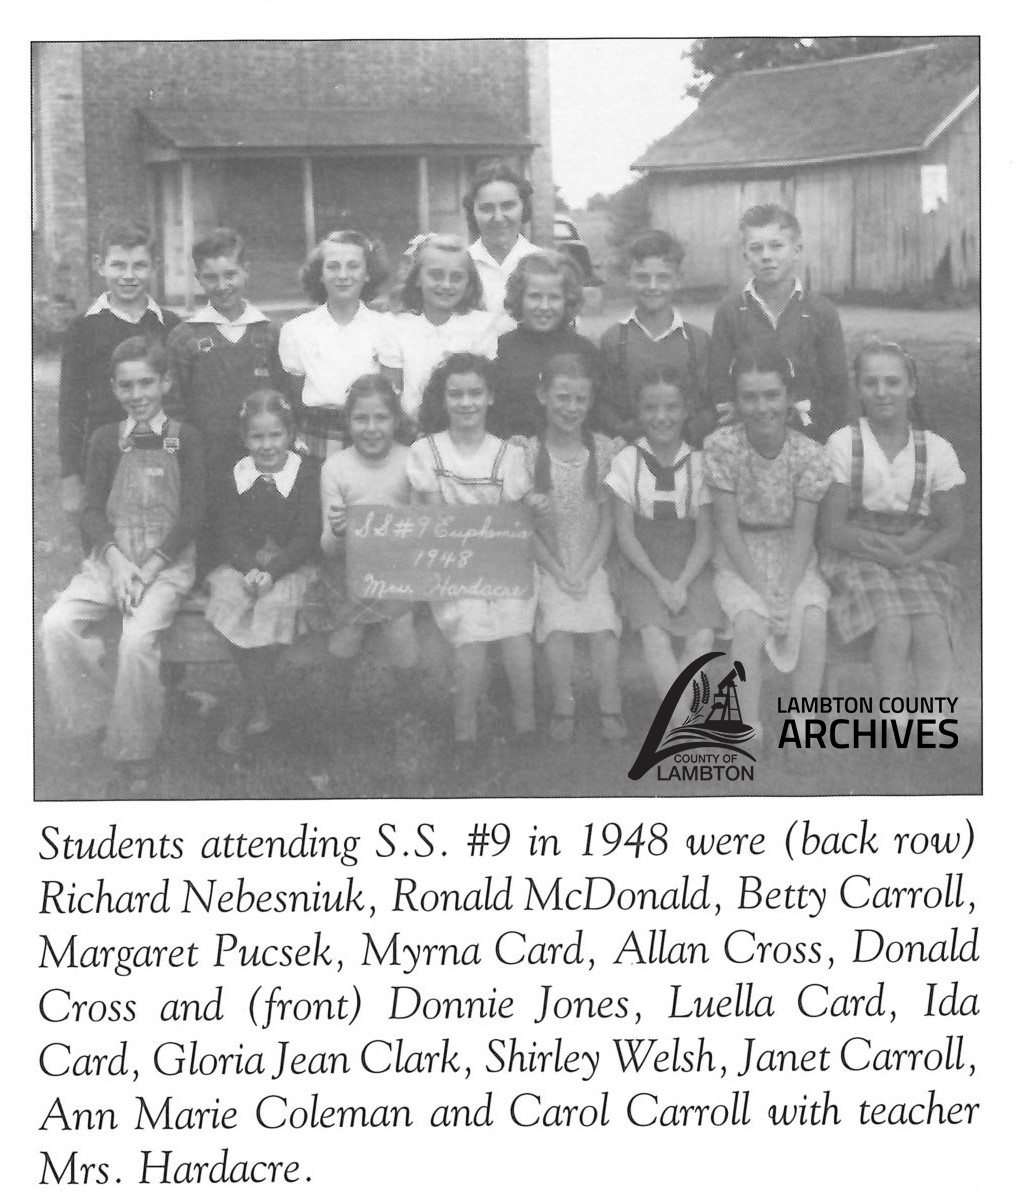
(567, 238)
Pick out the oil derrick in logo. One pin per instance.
(724, 732)
(725, 700)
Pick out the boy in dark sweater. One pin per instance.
(774, 308)
(126, 261)
(220, 355)
(144, 487)
(653, 335)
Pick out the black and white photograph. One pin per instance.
(506, 418)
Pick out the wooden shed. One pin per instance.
(878, 156)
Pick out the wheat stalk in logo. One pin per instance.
(722, 729)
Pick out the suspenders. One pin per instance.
(912, 511)
(665, 481)
(622, 353)
(492, 480)
(170, 438)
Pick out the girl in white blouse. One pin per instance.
(338, 341)
(442, 314)
(889, 521)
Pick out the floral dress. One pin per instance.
(766, 490)
(569, 529)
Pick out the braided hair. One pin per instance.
(574, 366)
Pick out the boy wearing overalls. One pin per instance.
(144, 498)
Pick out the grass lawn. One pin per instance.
(359, 727)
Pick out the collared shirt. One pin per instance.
(156, 424)
(102, 304)
(888, 484)
(246, 474)
(675, 326)
(329, 356)
(751, 290)
(630, 479)
(416, 346)
(494, 275)
(233, 330)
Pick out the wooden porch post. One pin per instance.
(308, 178)
(187, 212)
(424, 206)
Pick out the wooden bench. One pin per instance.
(192, 640)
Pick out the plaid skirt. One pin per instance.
(865, 593)
(323, 431)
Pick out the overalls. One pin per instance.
(142, 507)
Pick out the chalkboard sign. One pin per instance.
(439, 553)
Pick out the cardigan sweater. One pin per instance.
(809, 333)
(215, 375)
(293, 523)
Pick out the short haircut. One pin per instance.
(433, 416)
(498, 172)
(220, 243)
(550, 263)
(664, 375)
(566, 365)
(267, 402)
(128, 234)
(411, 297)
(374, 256)
(141, 349)
(653, 244)
(377, 386)
(762, 359)
(764, 214)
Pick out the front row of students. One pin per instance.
(719, 541)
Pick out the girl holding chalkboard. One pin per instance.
(373, 469)
(569, 464)
(459, 462)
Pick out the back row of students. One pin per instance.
(748, 505)
(228, 348)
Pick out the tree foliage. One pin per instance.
(716, 58)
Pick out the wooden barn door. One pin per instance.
(748, 193)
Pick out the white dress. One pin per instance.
(495, 473)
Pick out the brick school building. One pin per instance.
(283, 140)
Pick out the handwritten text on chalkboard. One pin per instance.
(439, 553)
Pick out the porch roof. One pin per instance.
(199, 131)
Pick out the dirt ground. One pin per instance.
(353, 724)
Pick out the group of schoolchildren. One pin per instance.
(685, 486)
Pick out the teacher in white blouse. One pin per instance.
(498, 204)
